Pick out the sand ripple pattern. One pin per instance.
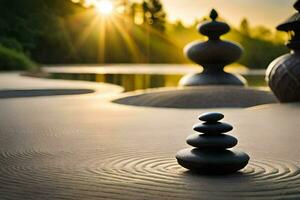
(137, 176)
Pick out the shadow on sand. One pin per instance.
(6, 94)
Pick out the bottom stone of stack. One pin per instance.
(212, 161)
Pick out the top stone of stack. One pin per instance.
(213, 29)
(211, 117)
(212, 124)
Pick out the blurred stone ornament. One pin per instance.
(213, 54)
(283, 74)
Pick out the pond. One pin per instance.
(132, 82)
(144, 76)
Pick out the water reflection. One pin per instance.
(131, 82)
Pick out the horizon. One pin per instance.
(269, 13)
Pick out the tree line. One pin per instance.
(64, 32)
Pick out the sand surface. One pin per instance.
(84, 147)
(200, 97)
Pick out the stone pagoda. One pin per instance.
(283, 74)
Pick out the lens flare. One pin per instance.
(104, 7)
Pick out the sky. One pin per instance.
(269, 13)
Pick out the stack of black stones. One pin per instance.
(213, 55)
(211, 154)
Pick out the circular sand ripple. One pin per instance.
(136, 176)
(267, 179)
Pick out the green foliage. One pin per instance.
(260, 53)
(13, 60)
(244, 27)
(261, 45)
(259, 50)
(36, 25)
(59, 31)
(11, 43)
(154, 14)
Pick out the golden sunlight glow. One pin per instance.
(105, 7)
(110, 16)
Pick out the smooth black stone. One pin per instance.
(210, 78)
(213, 29)
(213, 54)
(206, 141)
(211, 117)
(212, 162)
(215, 128)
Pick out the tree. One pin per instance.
(262, 32)
(245, 27)
(179, 26)
(154, 14)
(38, 25)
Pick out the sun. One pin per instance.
(104, 7)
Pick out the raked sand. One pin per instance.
(82, 146)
